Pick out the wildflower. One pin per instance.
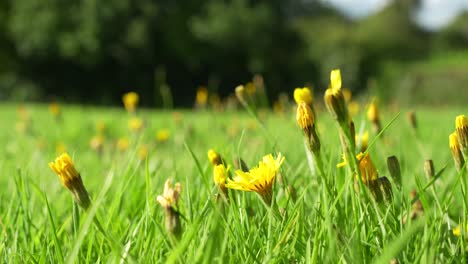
(122, 144)
(97, 142)
(240, 94)
(169, 201)
(353, 108)
(220, 175)
(363, 141)
(259, 179)
(305, 119)
(71, 179)
(373, 116)
(393, 166)
(143, 152)
(201, 97)
(334, 99)
(54, 109)
(347, 95)
(367, 167)
(456, 152)
(163, 135)
(214, 157)
(461, 125)
(303, 95)
(457, 230)
(135, 124)
(429, 168)
(130, 101)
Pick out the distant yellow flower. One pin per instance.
(347, 94)
(457, 230)
(461, 125)
(63, 166)
(143, 152)
(54, 109)
(303, 95)
(334, 99)
(214, 157)
(97, 142)
(169, 201)
(353, 108)
(240, 94)
(363, 140)
(130, 101)
(259, 179)
(122, 144)
(456, 152)
(373, 112)
(163, 135)
(23, 113)
(135, 124)
(201, 96)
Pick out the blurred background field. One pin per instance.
(408, 51)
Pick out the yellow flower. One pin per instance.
(240, 93)
(461, 125)
(54, 109)
(250, 88)
(457, 230)
(220, 174)
(63, 166)
(122, 144)
(259, 179)
(456, 152)
(347, 94)
(303, 95)
(163, 135)
(202, 96)
(368, 171)
(305, 119)
(214, 158)
(363, 140)
(135, 124)
(334, 99)
(130, 101)
(373, 112)
(353, 108)
(143, 152)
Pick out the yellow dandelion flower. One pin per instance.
(334, 98)
(214, 157)
(461, 125)
(303, 95)
(54, 109)
(143, 152)
(373, 112)
(122, 144)
(363, 140)
(201, 97)
(456, 152)
(259, 179)
(220, 175)
(347, 94)
(135, 124)
(304, 116)
(163, 135)
(368, 171)
(457, 230)
(70, 178)
(130, 101)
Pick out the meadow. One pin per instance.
(312, 219)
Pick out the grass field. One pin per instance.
(40, 223)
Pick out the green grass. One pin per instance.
(38, 223)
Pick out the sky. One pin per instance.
(433, 15)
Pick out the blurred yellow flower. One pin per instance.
(366, 166)
(23, 113)
(303, 95)
(456, 151)
(122, 144)
(457, 230)
(240, 94)
(201, 96)
(130, 101)
(214, 158)
(363, 141)
(334, 99)
(250, 88)
(347, 94)
(54, 109)
(353, 108)
(135, 124)
(143, 152)
(70, 178)
(220, 175)
(97, 142)
(259, 179)
(461, 127)
(163, 135)
(373, 112)
(304, 116)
